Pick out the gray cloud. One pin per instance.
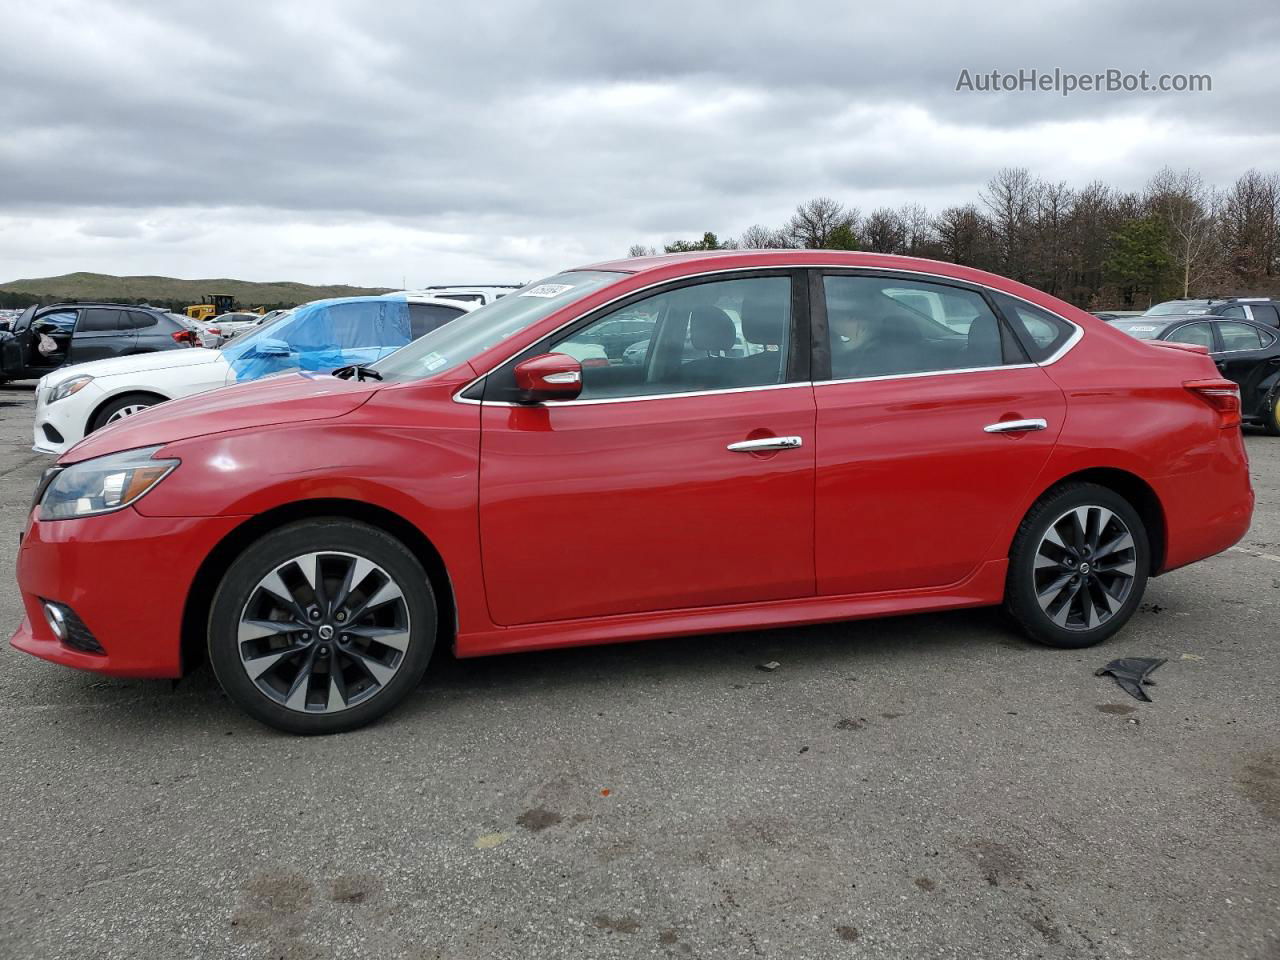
(508, 135)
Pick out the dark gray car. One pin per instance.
(83, 332)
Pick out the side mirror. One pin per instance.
(269, 347)
(549, 376)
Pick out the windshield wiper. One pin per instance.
(356, 371)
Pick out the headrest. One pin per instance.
(764, 320)
(710, 328)
(984, 340)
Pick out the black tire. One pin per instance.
(120, 403)
(1271, 415)
(1026, 583)
(323, 535)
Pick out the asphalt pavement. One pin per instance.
(918, 787)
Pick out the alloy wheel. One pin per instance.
(324, 632)
(127, 411)
(1085, 567)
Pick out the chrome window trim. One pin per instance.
(1254, 325)
(1067, 346)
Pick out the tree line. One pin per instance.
(1094, 246)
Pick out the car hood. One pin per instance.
(287, 398)
(137, 363)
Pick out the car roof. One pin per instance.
(100, 303)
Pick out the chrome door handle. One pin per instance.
(1016, 426)
(766, 443)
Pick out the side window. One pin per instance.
(97, 321)
(884, 327)
(63, 320)
(1239, 336)
(138, 319)
(1266, 313)
(708, 336)
(425, 317)
(1235, 310)
(1041, 332)
(1198, 333)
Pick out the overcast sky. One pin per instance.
(366, 142)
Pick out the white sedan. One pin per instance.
(74, 401)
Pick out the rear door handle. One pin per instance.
(766, 443)
(1016, 426)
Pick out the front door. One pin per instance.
(931, 424)
(681, 477)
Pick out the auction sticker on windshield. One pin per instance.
(547, 290)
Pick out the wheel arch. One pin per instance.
(106, 401)
(1134, 489)
(195, 614)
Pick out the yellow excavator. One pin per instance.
(216, 304)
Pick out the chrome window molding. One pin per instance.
(1071, 341)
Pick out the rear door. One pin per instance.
(100, 333)
(150, 332)
(1247, 354)
(932, 421)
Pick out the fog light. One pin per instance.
(57, 620)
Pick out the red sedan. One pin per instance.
(652, 447)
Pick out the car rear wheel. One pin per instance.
(1078, 566)
(1271, 417)
(123, 406)
(322, 626)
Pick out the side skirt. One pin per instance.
(985, 587)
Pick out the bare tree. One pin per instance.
(640, 250)
(1009, 196)
(822, 222)
(1250, 220)
(1188, 210)
(918, 227)
(960, 234)
(884, 232)
(757, 237)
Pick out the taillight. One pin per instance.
(214, 331)
(185, 336)
(1222, 395)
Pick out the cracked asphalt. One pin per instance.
(928, 786)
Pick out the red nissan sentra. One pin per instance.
(660, 446)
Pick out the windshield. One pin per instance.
(1173, 307)
(457, 343)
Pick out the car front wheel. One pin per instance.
(121, 407)
(322, 626)
(1078, 566)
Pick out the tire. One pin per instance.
(123, 406)
(1040, 595)
(296, 687)
(1271, 415)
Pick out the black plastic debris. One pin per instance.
(1131, 673)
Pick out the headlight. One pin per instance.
(67, 387)
(103, 484)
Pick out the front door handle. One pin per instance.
(1016, 426)
(766, 443)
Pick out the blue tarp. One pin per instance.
(322, 336)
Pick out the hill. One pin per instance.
(169, 291)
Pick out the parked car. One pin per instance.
(318, 535)
(318, 337)
(1264, 310)
(1245, 352)
(480, 295)
(1116, 314)
(84, 332)
(1184, 307)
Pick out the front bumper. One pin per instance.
(57, 427)
(126, 576)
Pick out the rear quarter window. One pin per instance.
(1042, 333)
